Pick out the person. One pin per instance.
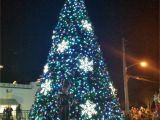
(18, 112)
(4, 114)
(64, 101)
(9, 113)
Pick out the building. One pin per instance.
(14, 94)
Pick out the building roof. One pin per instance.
(8, 102)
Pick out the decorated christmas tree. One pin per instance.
(75, 83)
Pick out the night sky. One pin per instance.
(27, 27)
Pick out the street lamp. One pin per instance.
(1, 66)
(143, 64)
(126, 78)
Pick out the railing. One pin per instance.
(10, 85)
(25, 114)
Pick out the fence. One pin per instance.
(25, 114)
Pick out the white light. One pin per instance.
(54, 31)
(14, 82)
(86, 25)
(45, 70)
(88, 109)
(85, 64)
(46, 87)
(53, 36)
(1, 66)
(113, 90)
(62, 46)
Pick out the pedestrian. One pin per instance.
(9, 113)
(18, 112)
(4, 114)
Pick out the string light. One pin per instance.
(76, 56)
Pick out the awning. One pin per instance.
(8, 102)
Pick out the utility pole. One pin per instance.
(159, 61)
(125, 78)
(159, 51)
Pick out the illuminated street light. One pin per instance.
(126, 78)
(1, 66)
(143, 64)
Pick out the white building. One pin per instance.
(14, 94)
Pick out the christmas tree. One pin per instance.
(75, 63)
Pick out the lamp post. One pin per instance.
(142, 64)
(126, 76)
(1, 66)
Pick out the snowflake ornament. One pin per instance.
(113, 90)
(62, 46)
(46, 87)
(45, 70)
(85, 64)
(86, 25)
(88, 109)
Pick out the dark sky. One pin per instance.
(27, 26)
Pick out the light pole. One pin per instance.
(1, 66)
(126, 76)
(142, 64)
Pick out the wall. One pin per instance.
(24, 94)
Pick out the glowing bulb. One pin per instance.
(45, 70)
(143, 64)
